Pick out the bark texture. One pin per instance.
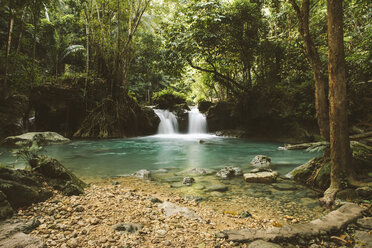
(321, 103)
(339, 138)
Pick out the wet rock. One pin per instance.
(195, 172)
(177, 185)
(26, 139)
(144, 174)
(229, 172)
(171, 209)
(284, 186)
(263, 244)
(128, 227)
(260, 170)
(261, 177)
(172, 179)
(217, 187)
(261, 161)
(188, 181)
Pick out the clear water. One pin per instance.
(114, 157)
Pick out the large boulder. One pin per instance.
(261, 161)
(57, 175)
(26, 139)
(6, 209)
(22, 188)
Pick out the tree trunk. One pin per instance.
(4, 88)
(321, 105)
(21, 32)
(339, 138)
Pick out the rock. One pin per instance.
(188, 181)
(20, 195)
(284, 186)
(362, 239)
(12, 235)
(330, 223)
(263, 244)
(220, 117)
(128, 227)
(6, 210)
(229, 172)
(233, 133)
(245, 214)
(261, 177)
(194, 172)
(143, 174)
(193, 198)
(217, 187)
(261, 161)
(26, 139)
(156, 200)
(171, 209)
(58, 175)
(364, 192)
(73, 243)
(204, 106)
(365, 222)
(303, 173)
(255, 170)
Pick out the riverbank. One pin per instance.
(97, 218)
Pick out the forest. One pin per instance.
(101, 71)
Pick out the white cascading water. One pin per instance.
(168, 122)
(197, 122)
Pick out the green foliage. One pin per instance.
(168, 97)
(28, 153)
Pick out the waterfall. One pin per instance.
(168, 122)
(197, 122)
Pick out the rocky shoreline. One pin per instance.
(130, 212)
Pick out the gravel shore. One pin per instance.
(94, 218)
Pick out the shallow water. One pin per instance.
(114, 157)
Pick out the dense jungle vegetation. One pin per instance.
(87, 67)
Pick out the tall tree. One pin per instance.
(321, 104)
(339, 137)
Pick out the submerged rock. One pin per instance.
(261, 161)
(229, 172)
(196, 172)
(144, 174)
(188, 181)
(26, 139)
(217, 187)
(261, 177)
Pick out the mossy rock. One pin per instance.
(6, 210)
(58, 176)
